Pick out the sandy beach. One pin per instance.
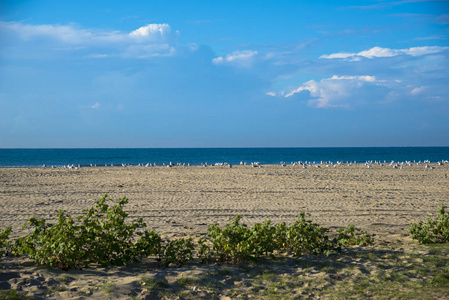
(183, 201)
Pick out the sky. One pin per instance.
(159, 74)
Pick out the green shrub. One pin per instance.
(236, 242)
(101, 236)
(5, 244)
(57, 245)
(304, 236)
(433, 230)
(265, 239)
(177, 252)
(354, 236)
(228, 244)
(107, 238)
(149, 244)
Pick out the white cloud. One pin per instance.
(337, 55)
(417, 90)
(152, 32)
(152, 39)
(336, 91)
(272, 94)
(379, 52)
(95, 106)
(66, 34)
(386, 52)
(193, 47)
(418, 51)
(361, 78)
(239, 58)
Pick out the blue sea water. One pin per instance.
(196, 156)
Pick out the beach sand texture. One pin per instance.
(182, 201)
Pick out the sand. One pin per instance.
(183, 201)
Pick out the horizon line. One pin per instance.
(260, 147)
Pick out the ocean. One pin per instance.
(197, 156)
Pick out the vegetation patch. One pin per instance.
(99, 236)
(433, 230)
(102, 236)
(301, 260)
(12, 295)
(154, 283)
(5, 244)
(108, 287)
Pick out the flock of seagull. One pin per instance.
(368, 164)
(304, 165)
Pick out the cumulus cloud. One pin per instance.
(337, 91)
(243, 58)
(386, 52)
(152, 32)
(146, 41)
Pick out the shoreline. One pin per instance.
(221, 164)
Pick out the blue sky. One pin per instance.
(224, 74)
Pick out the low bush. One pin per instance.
(148, 244)
(351, 236)
(237, 242)
(107, 239)
(266, 239)
(5, 244)
(433, 230)
(177, 252)
(57, 245)
(228, 244)
(100, 236)
(304, 236)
